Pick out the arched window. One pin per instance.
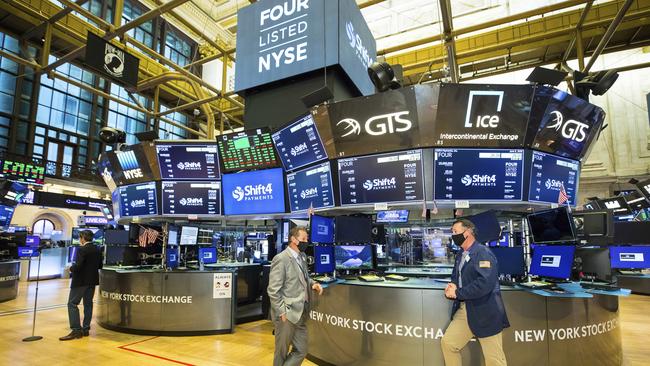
(43, 228)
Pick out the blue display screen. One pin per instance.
(256, 192)
(510, 260)
(6, 213)
(548, 174)
(181, 162)
(353, 256)
(191, 198)
(299, 144)
(138, 199)
(324, 259)
(172, 257)
(24, 252)
(478, 174)
(635, 257)
(393, 216)
(311, 187)
(32, 241)
(322, 229)
(552, 261)
(208, 255)
(392, 177)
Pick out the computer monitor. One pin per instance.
(324, 259)
(172, 257)
(353, 229)
(593, 263)
(353, 257)
(32, 241)
(116, 237)
(26, 252)
(487, 226)
(172, 235)
(510, 260)
(321, 229)
(189, 235)
(209, 255)
(552, 261)
(114, 254)
(552, 226)
(630, 257)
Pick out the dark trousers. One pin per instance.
(294, 335)
(76, 294)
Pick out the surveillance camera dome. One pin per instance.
(112, 135)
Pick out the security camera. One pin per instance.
(196, 112)
(110, 135)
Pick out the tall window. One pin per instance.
(43, 228)
(124, 118)
(169, 132)
(178, 47)
(8, 74)
(143, 33)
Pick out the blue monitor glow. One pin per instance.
(32, 241)
(191, 198)
(552, 261)
(633, 257)
(172, 257)
(502, 242)
(510, 260)
(353, 257)
(324, 259)
(189, 235)
(6, 214)
(138, 200)
(478, 174)
(256, 192)
(393, 216)
(391, 177)
(548, 174)
(26, 252)
(299, 143)
(208, 255)
(311, 187)
(321, 229)
(552, 226)
(72, 254)
(190, 161)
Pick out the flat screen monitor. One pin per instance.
(19, 171)
(391, 177)
(321, 229)
(172, 257)
(32, 241)
(114, 255)
(324, 259)
(252, 149)
(172, 235)
(299, 143)
(594, 263)
(636, 201)
(72, 253)
(618, 205)
(644, 187)
(353, 229)
(98, 235)
(551, 226)
(26, 252)
(138, 199)
(6, 214)
(116, 237)
(626, 257)
(487, 226)
(311, 187)
(393, 216)
(510, 260)
(478, 174)
(129, 165)
(208, 255)
(256, 192)
(189, 161)
(189, 235)
(548, 174)
(353, 257)
(552, 261)
(182, 198)
(12, 193)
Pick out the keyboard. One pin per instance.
(370, 278)
(599, 286)
(536, 285)
(631, 273)
(324, 279)
(396, 277)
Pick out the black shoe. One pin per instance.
(86, 333)
(73, 335)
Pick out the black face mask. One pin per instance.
(458, 239)
(302, 246)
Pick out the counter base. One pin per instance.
(163, 333)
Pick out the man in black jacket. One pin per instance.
(85, 276)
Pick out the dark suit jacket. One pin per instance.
(85, 268)
(486, 314)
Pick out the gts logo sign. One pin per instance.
(377, 125)
(380, 184)
(571, 129)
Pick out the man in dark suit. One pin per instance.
(478, 309)
(85, 276)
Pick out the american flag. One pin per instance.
(147, 236)
(562, 197)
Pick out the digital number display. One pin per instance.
(22, 172)
(548, 174)
(191, 198)
(299, 144)
(188, 162)
(247, 150)
(138, 199)
(311, 187)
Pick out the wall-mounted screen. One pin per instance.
(548, 174)
(252, 149)
(299, 144)
(188, 161)
(139, 199)
(353, 257)
(393, 216)
(257, 192)
(311, 187)
(392, 177)
(321, 229)
(478, 174)
(191, 198)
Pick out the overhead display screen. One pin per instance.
(393, 216)
(251, 149)
(257, 192)
(138, 199)
(191, 198)
(191, 162)
(392, 177)
(311, 187)
(299, 144)
(22, 172)
(478, 174)
(6, 213)
(130, 165)
(547, 176)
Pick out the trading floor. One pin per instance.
(250, 344)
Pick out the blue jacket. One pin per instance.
(486, 314)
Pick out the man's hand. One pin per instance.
(317, 287)
(283, 317)
(450, 291)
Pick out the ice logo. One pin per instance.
(189, 166)
(466, 180)
(351, 126)
(309, 192)
(299, 149)
(238, 193)
(138, 203)
(379, 184)
(552, 183)
(571, 129)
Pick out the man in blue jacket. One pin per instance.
(478, 309)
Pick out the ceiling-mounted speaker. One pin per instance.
(317, 97)
(541, 75)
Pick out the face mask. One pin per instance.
(458, 239)
(302, 246)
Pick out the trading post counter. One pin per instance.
(401, 323)
(9, 274)
(167, 303)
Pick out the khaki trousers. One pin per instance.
(457, 336)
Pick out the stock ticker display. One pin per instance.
(548, 174)
(392, 177)
(311, 187)
(299, 144)
(247, 150)
(179, 162)
(191, 198)
(22, 172)
(138, 199)
(478, 174)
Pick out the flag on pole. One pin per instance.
(310, 211)
(562, 196)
